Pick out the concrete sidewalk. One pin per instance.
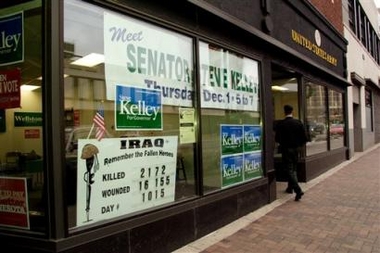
(340, 212)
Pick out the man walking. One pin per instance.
(291, 135)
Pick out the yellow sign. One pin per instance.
(308, 44)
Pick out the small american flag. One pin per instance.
(100, 124)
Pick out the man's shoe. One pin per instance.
(290, 191)
(299, 196)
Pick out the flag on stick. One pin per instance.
(100, 124)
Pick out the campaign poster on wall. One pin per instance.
(10, 82)
(135, 56)
(119, 176)
(14, 210)
(28, 119)
(240, 153)
(137, 109)
(12, 38)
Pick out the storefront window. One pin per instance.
(130, 115)
(316, 118)
(22, 203)
(231, 118)
(336, 122)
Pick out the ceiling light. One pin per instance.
(27, 87)
(279, 88)
(90, 60)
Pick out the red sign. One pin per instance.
(13, 202)
(76, 117)
(10, 82)
(32, 133)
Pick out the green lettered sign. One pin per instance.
(138, 109)
(27, 119)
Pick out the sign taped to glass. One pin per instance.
(10, 89)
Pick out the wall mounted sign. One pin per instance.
(32, 133)
(27, 119)
(315, 48)
(10, 81)
(12, 38)
(14, 202)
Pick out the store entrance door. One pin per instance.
(284, 91)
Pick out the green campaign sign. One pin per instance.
(27, 119)
(138, 109)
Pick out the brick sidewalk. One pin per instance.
(340, 213)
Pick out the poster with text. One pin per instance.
(14, 202)
(252, 138)
(240, 153)
(231, 139)
(10, 82)
(252, 166)
(119, 176)
(137, 109)
(228, 80)
(147, 56)
(12, 38)
(186, 125)
(232, 170)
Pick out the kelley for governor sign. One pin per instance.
(138, 109)
(12, 39)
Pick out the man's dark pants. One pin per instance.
(289, 162)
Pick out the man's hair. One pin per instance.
(288, 109)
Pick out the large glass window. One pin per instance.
(231, 118)
(316, 118)
(130, 115)
(336, 120)
(22, 203)
(325, 119)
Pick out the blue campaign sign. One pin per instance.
(252, 138)
(12, 38)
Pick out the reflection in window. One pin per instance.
(143, 80)
(316, 118)
(336, 122)
(231, 118)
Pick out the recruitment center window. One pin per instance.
(336, 119)
(130, 115)
(231, 118)
(325, 119)
(22, 198)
